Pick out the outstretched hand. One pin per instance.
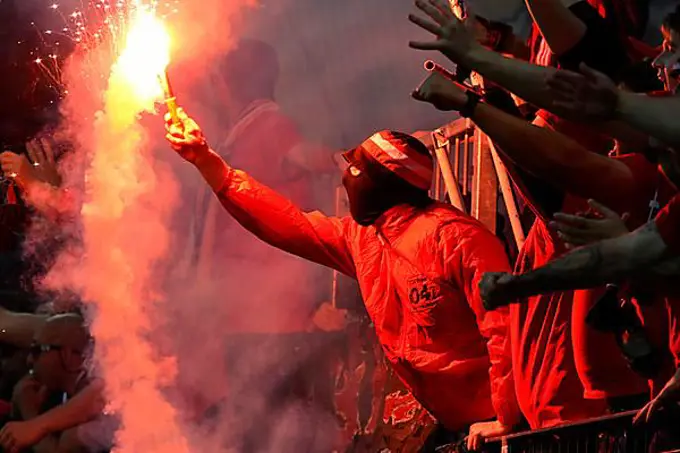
(41, 153)
(441, 92)
(588, 95)
(186, 137)
(453, 38)
(578, 230)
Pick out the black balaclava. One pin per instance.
(372, 189)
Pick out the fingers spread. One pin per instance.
(572, 220)
(32, 150)
(431, 11)
(425, 24)
(421, 45)
(47, 150)
(602, 209)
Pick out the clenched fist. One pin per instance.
(495, 289)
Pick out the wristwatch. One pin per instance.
(469, 108)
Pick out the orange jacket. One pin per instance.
(418, 271)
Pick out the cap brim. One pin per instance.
(351, 156)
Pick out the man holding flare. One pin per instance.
(418, 263)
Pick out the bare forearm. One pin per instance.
(84, 406)
(525, 80)
(668, 268)
(560, 28)
(653, 116)
(18, 329)
(552, 156)
(595, 265)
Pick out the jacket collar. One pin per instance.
(396, 219)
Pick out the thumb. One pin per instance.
(602, 209)
(625, 217)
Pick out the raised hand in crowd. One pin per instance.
(599, 224)
(455, 39)
(441, 92)
(41, 154)
(38, 166)
(668, 395)
(588, 95)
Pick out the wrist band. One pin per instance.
(469, 108)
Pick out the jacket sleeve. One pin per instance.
(472, 251)
(278, 222)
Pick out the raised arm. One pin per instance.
(595, 265)
(18, 329)
(456, 42)
(560, 28)
(262, 211)
(545, 153)
(654, 116)
(596, 97)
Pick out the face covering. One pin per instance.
(372, 190)
(366, 203)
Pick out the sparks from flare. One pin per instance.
(92, 24)
(146, 56)
(124, 235)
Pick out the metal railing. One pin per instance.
(608, 434)
(468, 173)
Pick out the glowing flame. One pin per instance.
(145, 56)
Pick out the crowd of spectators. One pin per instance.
(582, 115)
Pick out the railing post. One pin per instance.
(508, 196)
(485, 183)
(441, 146)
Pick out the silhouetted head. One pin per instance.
(386, 170)
(250, 71)
(58, 351)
